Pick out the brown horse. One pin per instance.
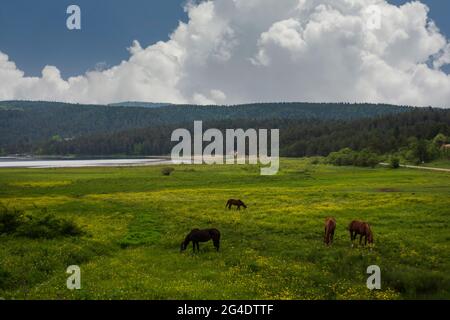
(237, 203)
(197, 235)
(330, 226)
(363, 229)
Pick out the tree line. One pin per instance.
(417, 135)
(25, 124)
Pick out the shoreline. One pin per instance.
(35, 163)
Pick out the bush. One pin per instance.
(4, 278)
(316, 160)
(167, 171)
(46, 226)
(348, 157)
(413, 283)
(366, 158)
(344, 157)
(394, 163)
(70, 228)
(10, 220)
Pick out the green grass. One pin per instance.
(441, 163)
(136, 218)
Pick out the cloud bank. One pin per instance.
(238, 51)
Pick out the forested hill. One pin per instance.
(25, 123)
(139, 104)
(302, 137)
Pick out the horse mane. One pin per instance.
(188, 237)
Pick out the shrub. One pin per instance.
(4, 278)
(344, 157)
(316, 160)
(416, 284)
(167, 171)
(348, 157)
(70, 228)
(47, 226)
(394, 163)
(10, 220)
(366, 158)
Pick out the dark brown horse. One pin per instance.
(237, 203)
(198, 235)
(330, 226)
(363, 229)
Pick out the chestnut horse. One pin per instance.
(363, 229)
(197, 235)
(237, 203)
(330, 226)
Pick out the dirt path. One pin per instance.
(418, 167)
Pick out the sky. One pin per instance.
(34, 33)
(192, 52)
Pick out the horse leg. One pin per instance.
(360, 239)
(332, 236)
(217, 244)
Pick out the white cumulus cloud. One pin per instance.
(237, 51)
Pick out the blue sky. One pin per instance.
(33, 33)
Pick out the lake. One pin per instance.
(10, 162)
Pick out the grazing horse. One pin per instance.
(198, 235)
(363, 229)
(330, 226)
(237, 203)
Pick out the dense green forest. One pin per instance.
(298, 138)
(24, 124)
(305, 129)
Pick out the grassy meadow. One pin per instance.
(135, 219)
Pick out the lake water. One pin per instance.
(77, 163)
